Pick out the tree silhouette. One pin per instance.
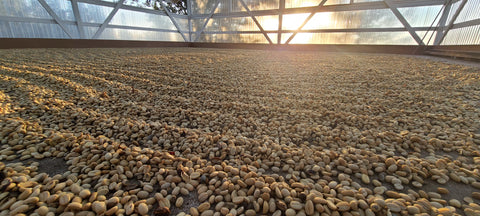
(173, 6)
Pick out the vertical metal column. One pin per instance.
(442, 22)
(199, 33)
(280, 21)
(78, 18)
(170, 15)
(305, 21)
(256, 21)
(189, 14)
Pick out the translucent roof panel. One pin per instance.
(301, 3)
(23, 8)
(37, 30)
(141, 19)
(471, 11)
(62, 8)
(380, 18)
(379, 38)
(130, 34)
(338, 21)
(421, 16)
(93, 13)
(231, 24)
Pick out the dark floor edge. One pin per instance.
(16, 43)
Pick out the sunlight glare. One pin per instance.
(293, 21)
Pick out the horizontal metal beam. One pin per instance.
(405, 23)
(108, 19)
(28, 19)
(329, 8)
(57, 19)
(199, 33)
(469, 23)
(170, 15)
(143, 29)
(351, 30)
(256, 22)
(132, 8)
(452, 21)
(73, 23)
(304, 22)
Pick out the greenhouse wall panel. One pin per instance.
(93, 13)
(140, 19)
(22, 8)
(62, 8)
(338, 21)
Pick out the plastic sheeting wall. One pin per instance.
(469, 35)
(230, 22)
(373, 26)
(29, 19)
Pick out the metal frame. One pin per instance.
(108, 19)
(442, 22)
(329, 8)
(207, 20)
(452, 21)
(256, 21)
(57, 19)
(7, 26)
(189, 11)
(78, 18)
(441, 30)
(280, 21)
(174, 23)
(305, 22)
(404, 22)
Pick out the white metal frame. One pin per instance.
(199, 33)
(305, 22)
(57, 19)
(189, 35)
(404, 22)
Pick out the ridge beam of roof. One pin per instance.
(305, 21)
(404, 22)
(55, 17)
(206, 21)
(108, 19)
(174, 22)
(452, 21)
(256, 22)
(78, 18)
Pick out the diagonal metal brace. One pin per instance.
(256, 22)
(305, 22)
(108, 19)
(206, 21)
(55, 17)
(78, 18)
(404, 22)
(169, 14)
(452, 21)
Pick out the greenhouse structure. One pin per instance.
(366, 22)
(240, 107)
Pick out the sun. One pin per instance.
(293, 21)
